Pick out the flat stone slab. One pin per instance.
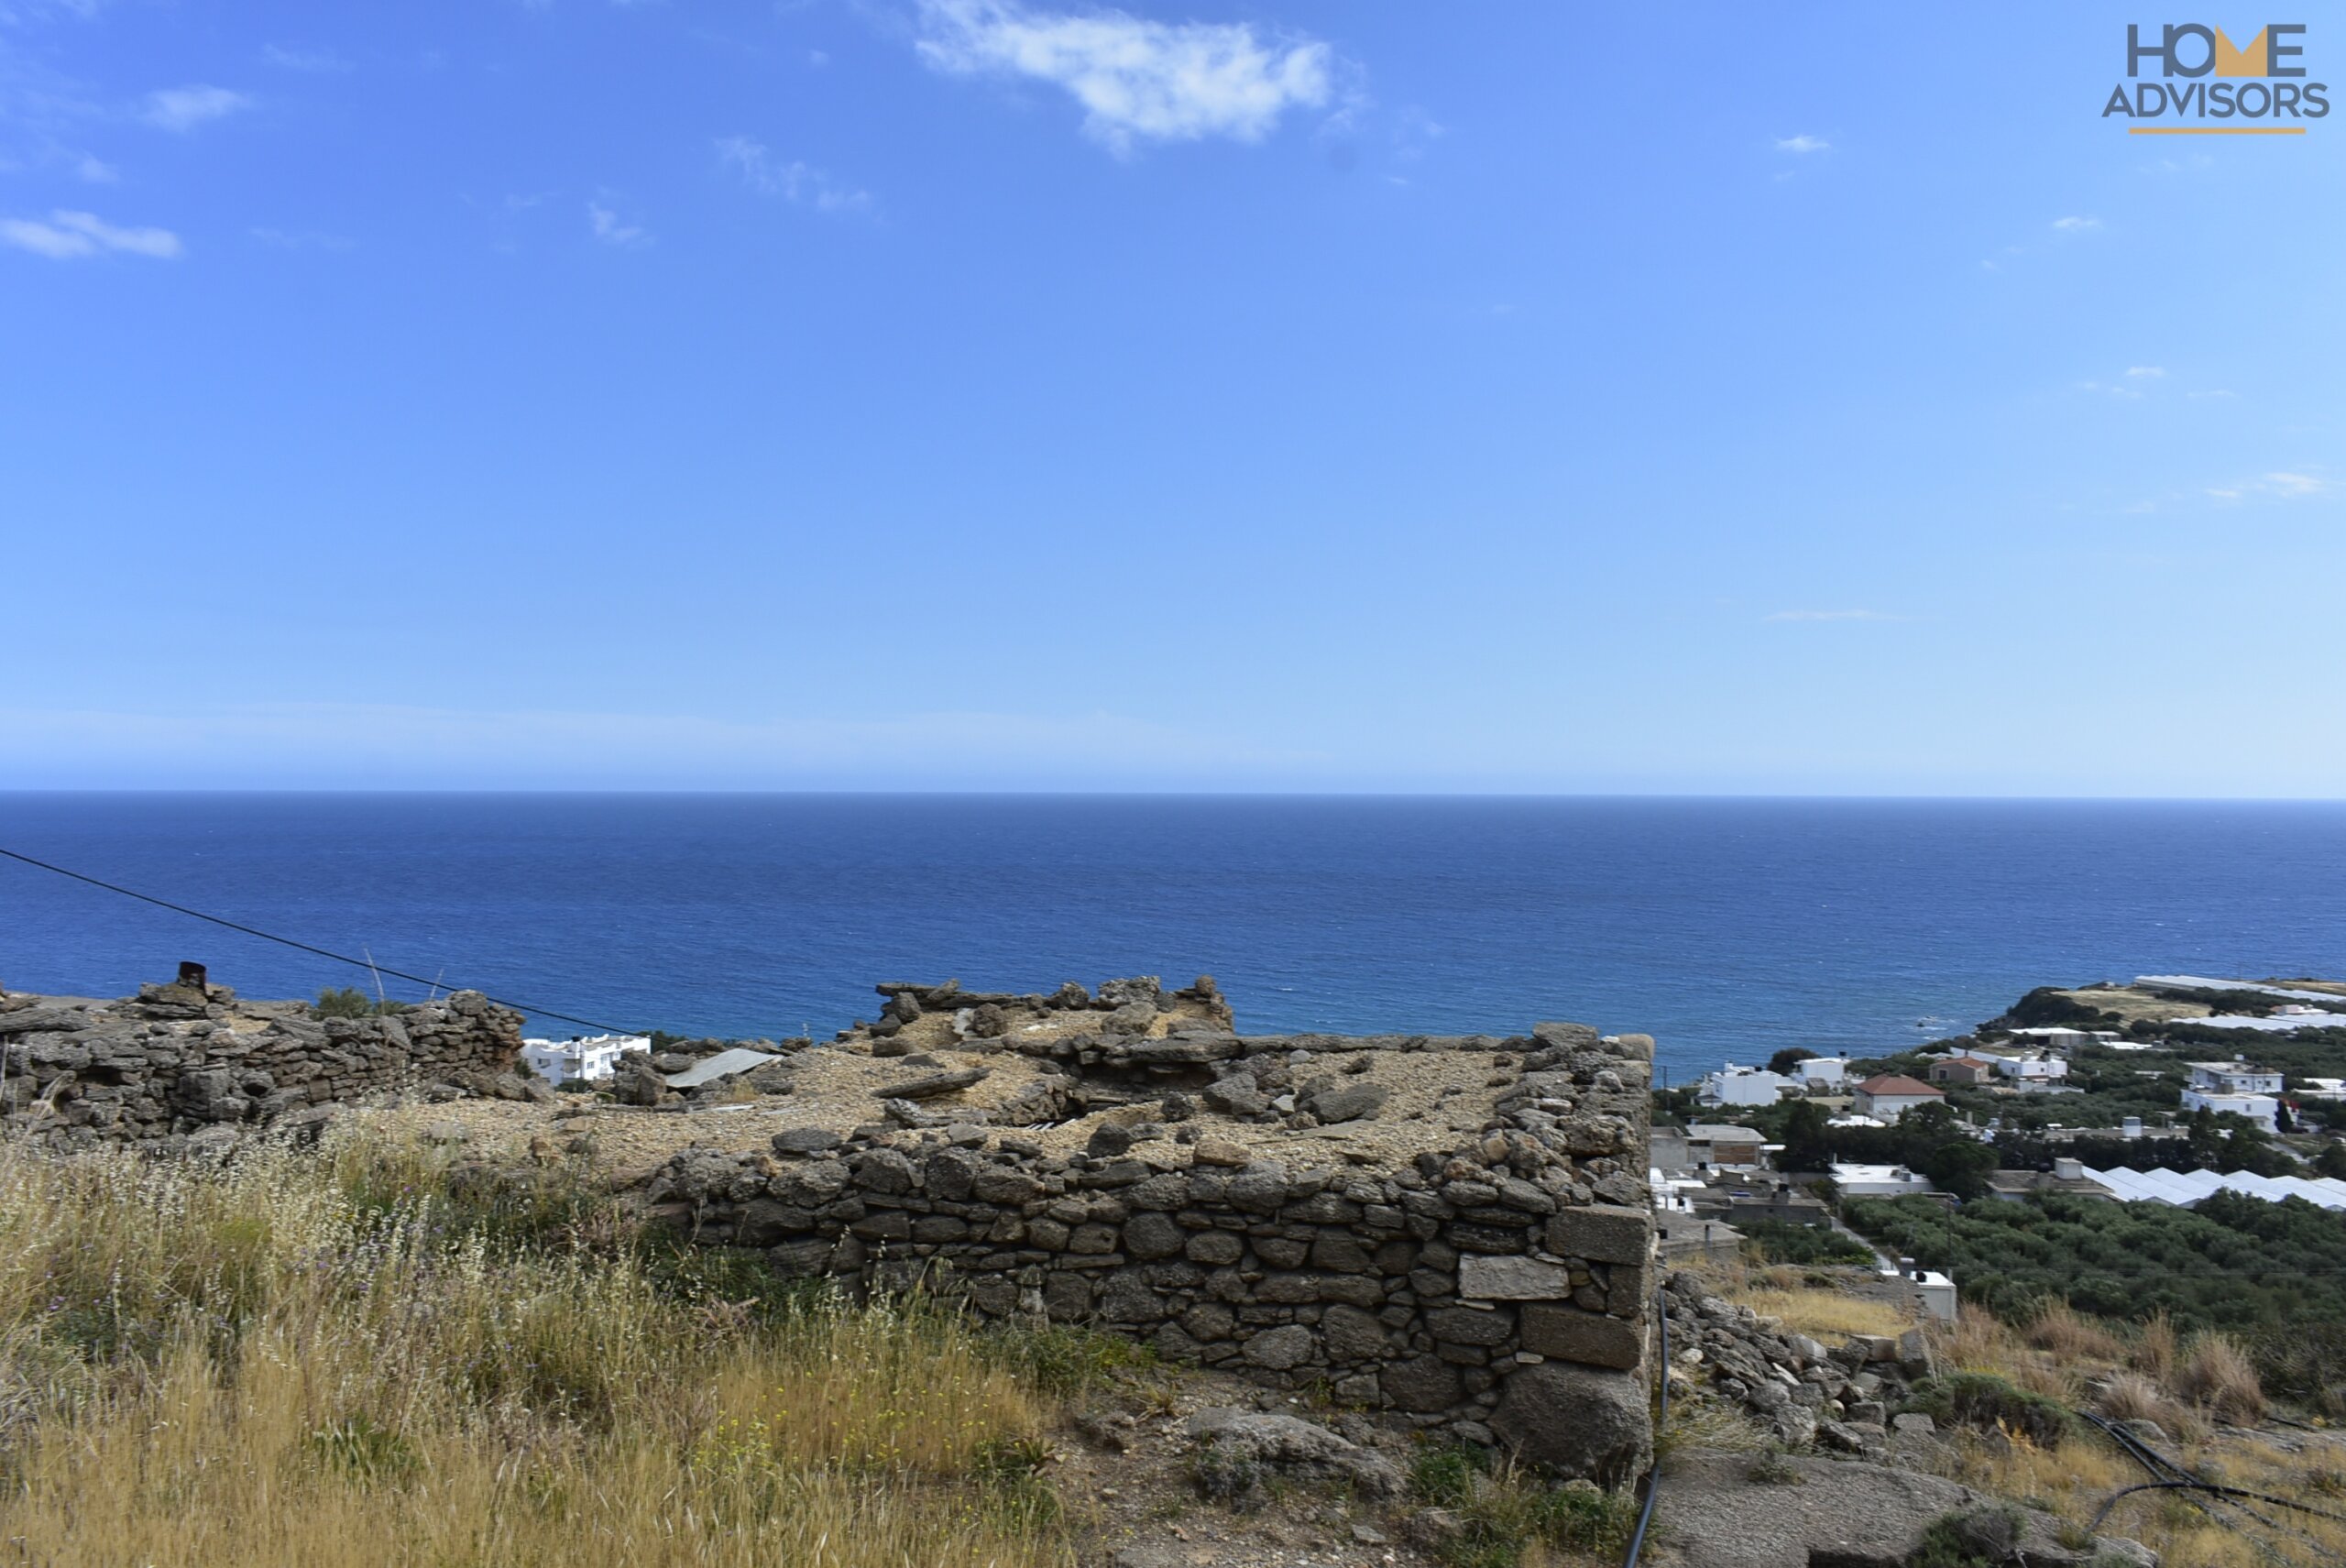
(723, 1064)
(1712, 1514)
(1482, 1278)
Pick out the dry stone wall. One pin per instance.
(179, 1062)
(1500, 1289)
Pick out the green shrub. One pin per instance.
(1775, 1241)
(1986, 1402)
(1444, 1475)
(1979, 1537)
(349, 1002)
(1508, 1517)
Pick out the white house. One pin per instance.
(2261, 1109)
(2024, 1065)
(1828, 1073)
(561, 1061)
(1733, 1085)
(1889, 1095)
(1877, 1180)
(2234, 1077)
(2055, 1039)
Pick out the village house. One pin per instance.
(1733, 1085)
(1889, 1095)
(2238, 1076)
(1824, 1075)
(2055, 1039)
(2026, 1066)
(595, 1056)
(1964, 1069)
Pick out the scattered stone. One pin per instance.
(935, 1084)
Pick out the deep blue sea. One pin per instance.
(1724, 927)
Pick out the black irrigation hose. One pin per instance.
(2176, 1477)
(2218, 1491)
(304, 946)
(1661, 1419)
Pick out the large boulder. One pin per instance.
(1577, 1421)
(1291, 1446)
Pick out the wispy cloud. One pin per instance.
(790, 180)
(2147, 372)
(182, 109)
(611, 229)
(2279, 484)
(1137, 79)
(1834, 615)
(286, 57)
(1802, 144)
(2075, 225)
(70, 235)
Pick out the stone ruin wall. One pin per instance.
(180, 1062)
(1498, 1289)
(1501, 1290)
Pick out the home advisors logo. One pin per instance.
(2258, 85)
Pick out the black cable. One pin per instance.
(2218, 1491)
(1661, 1420)
(304, 946)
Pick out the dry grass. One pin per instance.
(2184, 1387)
(2218, 1374)
(2130, 1397)
(2157, 1348)
(2059, 1329)
(329, 1363)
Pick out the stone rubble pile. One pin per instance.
(182, 1062)
(1838, 1399)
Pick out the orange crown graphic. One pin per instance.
(2249, 61)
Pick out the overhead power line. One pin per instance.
(305, 947)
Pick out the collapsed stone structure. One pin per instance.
(188, 1060)
(1233, 1200)
(1799, 1390)
(1452, 1231)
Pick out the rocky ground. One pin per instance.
(1052, 1071)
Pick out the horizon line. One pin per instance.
(1331, 794)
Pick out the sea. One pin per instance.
(1726, 929)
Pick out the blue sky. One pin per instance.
(968, 394)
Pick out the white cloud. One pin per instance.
(70, 236)
(319, 60)
(2281, 484)
(2214, 392)
(792, 181)
(1136, 79)
(1832, 615)
(2150, 372)
(1802, 144)
(609, 227)
(2074, 226)
(182, 109)
(94, 169)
